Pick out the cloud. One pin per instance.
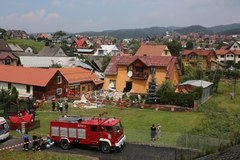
(34, 21)
(56, 2)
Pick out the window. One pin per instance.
(222, 56)
(27, 88)
(130, 68)
(59, 91)
(139, 69)
(112, 84)
(166, 52)
(152, 70)
(7, 61)
(100, 52)
(94, 128)
(9, 86)
(59, 79)
(83, 88)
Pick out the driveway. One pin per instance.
(129, 152)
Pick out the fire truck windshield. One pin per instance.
(117, 127)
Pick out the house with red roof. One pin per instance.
(82, 43)
(204, 59)
(81, 81)
(7, 58)
(33, 82)
(153, 50)
(133, 73)
(228, 55)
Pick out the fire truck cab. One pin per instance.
(104, 133)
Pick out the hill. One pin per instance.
(160, 31)
(194, 29)
(130, 33)
(221, 28)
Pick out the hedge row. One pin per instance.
(178, 99)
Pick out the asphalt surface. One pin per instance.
(129, 152)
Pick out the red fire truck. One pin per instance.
(104, 133)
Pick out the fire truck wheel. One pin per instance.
(64, 144)
(105, 147)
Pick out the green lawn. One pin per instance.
(136, 122)
(37, 155)
(29, 42)
(176, 126)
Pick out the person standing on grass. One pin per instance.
(66, 106)
(53, 104)
(60, 106)
(153, 133)
(26, 141)
(158, 131)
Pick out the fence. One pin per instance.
(179, 140)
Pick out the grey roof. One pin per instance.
(18, 54)
(51, 51)
(38, 61)
(4, 46)
(197, 83)
(15, 48)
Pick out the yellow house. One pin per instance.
(133, 73)
(205, 59)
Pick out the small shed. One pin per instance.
(192, 84)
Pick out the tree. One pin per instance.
(8, 97)
(105, 62)
(174, 47)
(56, 65)
(165, 87)
(59, 34)
(152, 95)
(215, 77)
(189, 45)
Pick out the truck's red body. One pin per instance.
(105, 133)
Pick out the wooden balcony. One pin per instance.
(140, 75)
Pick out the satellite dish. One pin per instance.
(130, 74)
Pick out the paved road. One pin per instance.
(130, 151)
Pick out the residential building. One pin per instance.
(235, 45)
(153, 50)
(7, 58)
(105, 50)
(33, 82)
(4, 47)
(82, 43)
(204, 59)
(228, 55)
(81, 81)
(133, 73)
(52, 51)
(46, 62)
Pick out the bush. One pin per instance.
(178, 99)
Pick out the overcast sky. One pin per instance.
(97, 15)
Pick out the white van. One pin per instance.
(4, 129)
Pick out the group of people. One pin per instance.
(60, 104)
(39, 143)
(155, 132)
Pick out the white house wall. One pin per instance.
(21, 88)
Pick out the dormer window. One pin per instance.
(166, 52)
(59, 79)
